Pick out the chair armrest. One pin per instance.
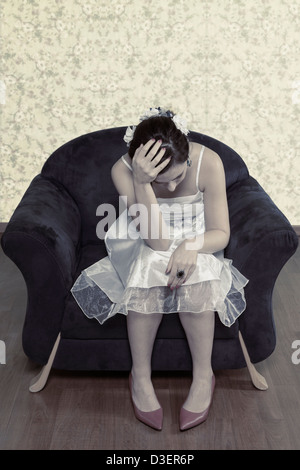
(262, 240)
(254, 218)
(49, 216)
(42, 239)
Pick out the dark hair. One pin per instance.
(161, 127)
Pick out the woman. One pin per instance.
(165, 254)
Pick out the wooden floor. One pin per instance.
(93, 410)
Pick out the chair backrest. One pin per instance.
(83, 167)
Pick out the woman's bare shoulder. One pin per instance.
(208, 154)
(211, 166)
(122, 179)
(120, 167)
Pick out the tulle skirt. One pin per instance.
(135, 280)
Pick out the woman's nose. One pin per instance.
(172, 186)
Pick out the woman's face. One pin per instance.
(172, 177)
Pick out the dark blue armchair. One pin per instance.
(51, 237)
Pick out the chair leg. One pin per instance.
(257, 379)
(39, 382)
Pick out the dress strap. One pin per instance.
(126, 163)
(199, 165)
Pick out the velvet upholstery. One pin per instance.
(52, 236)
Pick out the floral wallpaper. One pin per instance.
(231, 68)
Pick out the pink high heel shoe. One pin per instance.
(189, 419)
(154, 419)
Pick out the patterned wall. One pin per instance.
(74, 66)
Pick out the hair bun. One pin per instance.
(179, 122)
(161, 125)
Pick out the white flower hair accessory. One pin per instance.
(129, 134)
(179, 122)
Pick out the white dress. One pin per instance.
(132, 276)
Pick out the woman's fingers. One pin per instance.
(158, 155)
(150, 148)
(175, 281)
(142, 150)
(187, 274)
(148, 156)
(151, 151)
(162, 165)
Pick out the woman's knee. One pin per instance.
(144, 318)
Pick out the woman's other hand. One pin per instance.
(182, 259)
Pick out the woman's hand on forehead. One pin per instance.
(146, 161)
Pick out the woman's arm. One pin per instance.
(141, 201)
(152, 226)
(217, 229)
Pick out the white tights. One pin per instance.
(199, 330)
